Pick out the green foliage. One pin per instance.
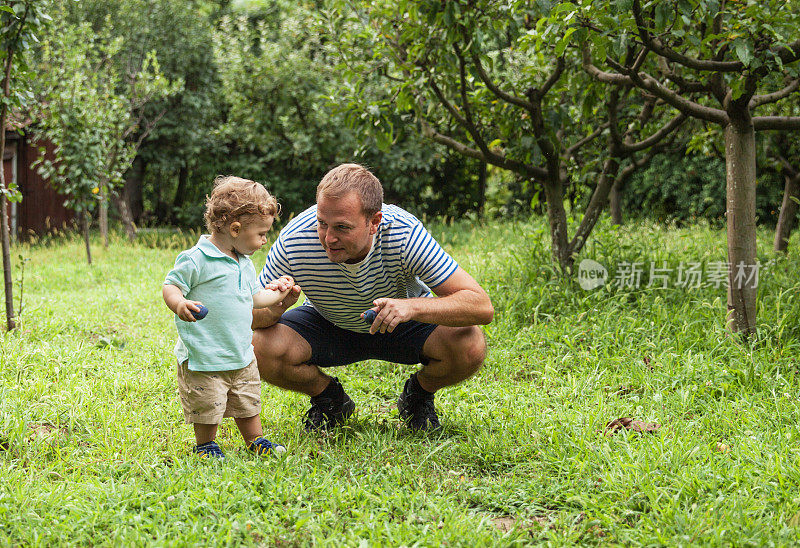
(21, 24)
(88, 109)
(689, 187)
(274, 78)
(180, 32)
(286, 122)
(21, 21)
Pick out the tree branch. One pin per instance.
(659, 48)
(789, 54)
(495, 159)
(572, 150)
(690, 108)
(507, 97)
(787, 166)
(686, 86)
(669, 127)
(471, 126)
(776, 122)
(596, 205)
(599, 75)
(758, 100)
(553, 78)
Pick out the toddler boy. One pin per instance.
(217, 372)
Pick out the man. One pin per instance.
(351, 253)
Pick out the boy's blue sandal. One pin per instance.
(209, 449)
(262, 446)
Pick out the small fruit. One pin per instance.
(369, 316)
(199, 315)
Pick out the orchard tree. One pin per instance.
(92, 114)
(480, 80)
(177, 157)
(20, 21)
(722, 62)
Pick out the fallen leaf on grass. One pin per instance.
(723, 447)
(628, 423)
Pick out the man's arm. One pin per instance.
(461, 302)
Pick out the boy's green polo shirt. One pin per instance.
(222, 340)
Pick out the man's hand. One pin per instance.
(265, 317)
(391, 313)
(460, 302)
(274, 293)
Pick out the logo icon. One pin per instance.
(591, 274)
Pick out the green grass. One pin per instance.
(96, 452)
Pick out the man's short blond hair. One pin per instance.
(347, 178)
(234, 198)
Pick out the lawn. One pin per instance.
(94, 451)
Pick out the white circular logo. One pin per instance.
(591, 274)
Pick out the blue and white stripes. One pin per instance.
(404, 262)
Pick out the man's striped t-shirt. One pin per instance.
(404, 261)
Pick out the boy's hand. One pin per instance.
(281, 284)
(185, 308)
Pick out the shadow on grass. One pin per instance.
(385, 429)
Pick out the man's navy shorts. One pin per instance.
(332, 346)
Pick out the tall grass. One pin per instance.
(96, 452)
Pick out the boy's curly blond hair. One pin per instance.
(234, 198)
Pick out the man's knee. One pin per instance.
(473, 348)
(464, 347)
(275, 348)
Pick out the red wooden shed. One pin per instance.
(42, 208)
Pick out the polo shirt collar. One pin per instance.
(210, 250)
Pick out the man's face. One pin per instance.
(344, 231)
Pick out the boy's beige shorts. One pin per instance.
(209, 396)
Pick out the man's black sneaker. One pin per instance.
(416, 408)
(329, 411)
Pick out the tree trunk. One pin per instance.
(125, 215)
(180, 193)
(133, 189)
(596, 205)
(557, 218)
(788, 213)
(5, 237)
(740, 160)
(103, 219)
(86, 220)
(6, 240)
(482, 171)
(615, 205)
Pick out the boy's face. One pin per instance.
(249, 234)
(344, 231)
